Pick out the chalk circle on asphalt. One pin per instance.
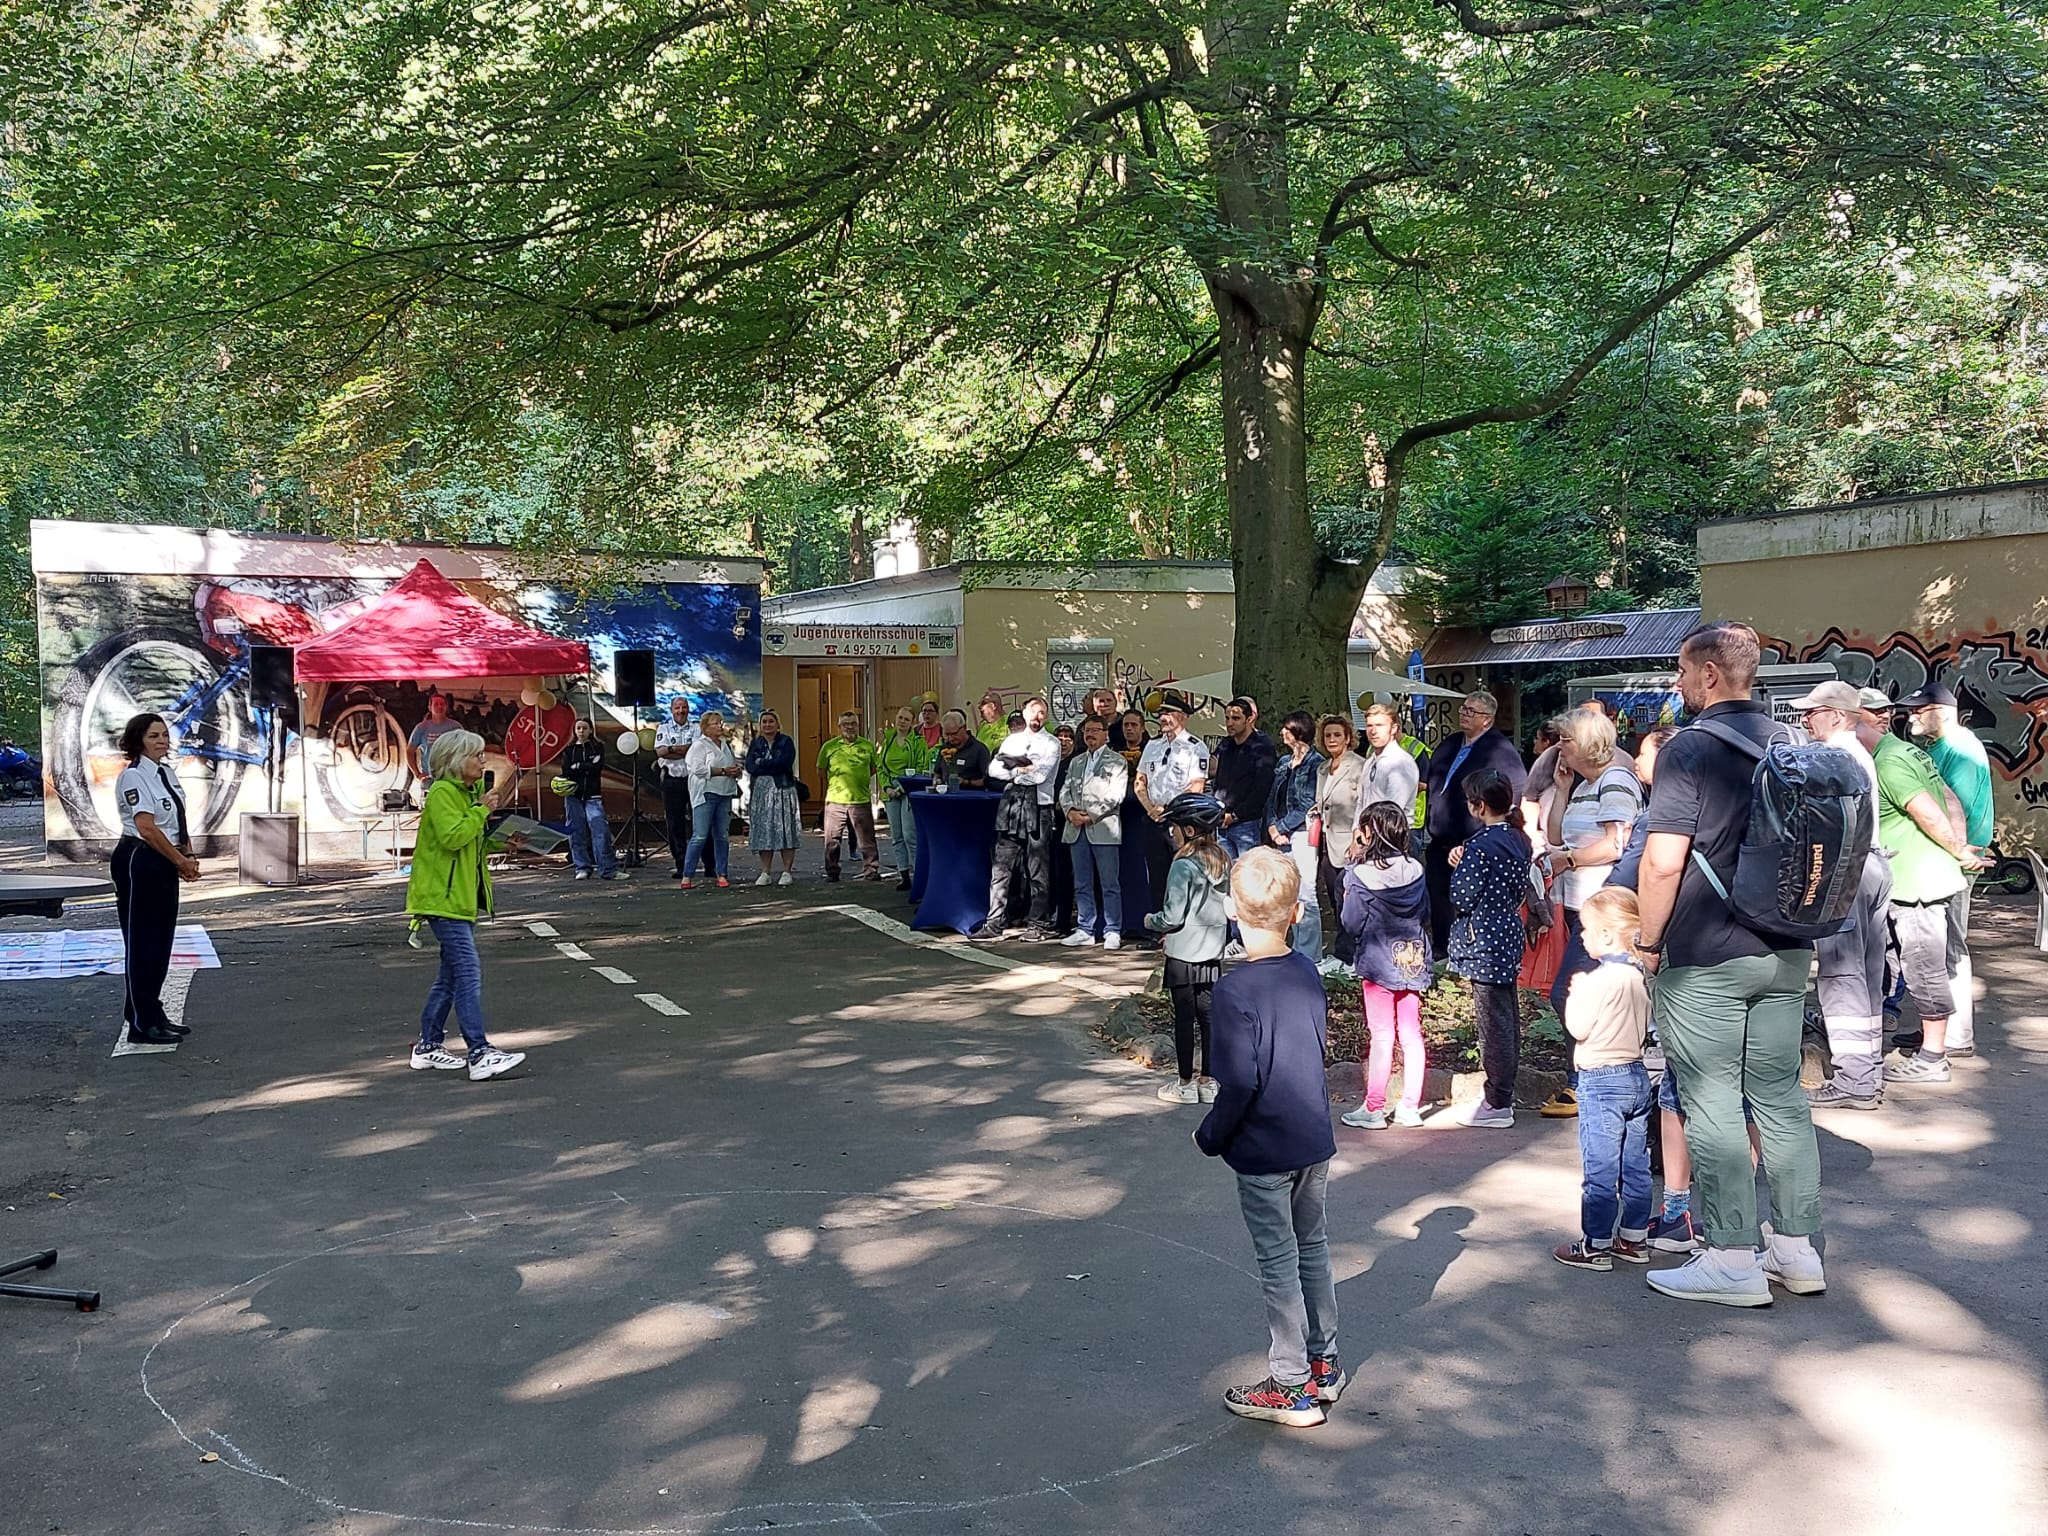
(831, 1344)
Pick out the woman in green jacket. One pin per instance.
(449, 887)
(902, 751)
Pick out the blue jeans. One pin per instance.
(710, 821)
(460, 985)
(1284, 1213)
(590, 835)
(1240, 837)
(903, 835)
(1614, 1147)
(1308, 933)
(1092, 862)
(1574, 962)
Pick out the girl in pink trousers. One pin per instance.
(1386, 917)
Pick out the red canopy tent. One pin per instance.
(427, 627)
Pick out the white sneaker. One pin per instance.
(1330, 965)
(581, 874)
(1363, 1119)
(492, 1062)
(765, 878)
(439, 1058)
(1480, 1115)
(1112, 940)
(1078, 940)
(1178, 1092)
(1792, 1263)
(787, 878)
(1410, 1118)
(1208, 1088)
(1730, 1277)
(1233, 950)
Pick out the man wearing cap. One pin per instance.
(1173, 763)
(1960, 760)
(993, 727)
(1851, 963)
(1928, 852)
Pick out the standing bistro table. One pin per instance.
(956, 838)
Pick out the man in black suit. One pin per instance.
(1450, 823)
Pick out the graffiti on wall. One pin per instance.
(2000, 680)
(181, 646)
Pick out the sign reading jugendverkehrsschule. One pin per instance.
(857, 642)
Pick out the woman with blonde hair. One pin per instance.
(1595, 799)
(714, 780)
(450, 888)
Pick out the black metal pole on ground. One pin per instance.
(85, 1301)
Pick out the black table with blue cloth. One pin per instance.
(956, 837)
(956, 834)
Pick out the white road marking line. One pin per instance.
(545, 930)
(613, 974)
(574, 951)
(177, 987)
(1050, 975)
(661, 1004)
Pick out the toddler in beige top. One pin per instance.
(1608, 1013)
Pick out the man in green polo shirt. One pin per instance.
(1928, 853)
(849, 763)
(1960, 759)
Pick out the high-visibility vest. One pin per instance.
(1415, 749)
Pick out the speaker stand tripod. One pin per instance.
(85, 1301)
(631, 857)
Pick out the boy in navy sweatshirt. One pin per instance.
(1269, 1024)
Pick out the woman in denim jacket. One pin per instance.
(1288, 803)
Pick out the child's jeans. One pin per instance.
(1284, 1213)
(1387, 1014)
(1614, 1147)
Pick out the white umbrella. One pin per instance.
(1363, 679)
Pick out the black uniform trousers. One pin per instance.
(1022, 828)
(146, 897)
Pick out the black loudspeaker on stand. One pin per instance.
(633, 686)
(633, 679)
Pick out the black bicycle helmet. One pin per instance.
(1197, 811)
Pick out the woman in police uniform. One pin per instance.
(154, 854)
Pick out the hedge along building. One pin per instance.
(1021, 629)
(134, 618)
(1891, 592)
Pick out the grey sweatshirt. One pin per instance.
(1193, 918)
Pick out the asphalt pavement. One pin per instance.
(872, 1236)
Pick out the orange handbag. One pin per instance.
(1540, 961)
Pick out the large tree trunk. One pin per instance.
(1289, 650)
(1294, 606)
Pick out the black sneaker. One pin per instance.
(1675, 1233)
(988, 933)
(1276, 1404)
(1328, 1378)
(832, 875)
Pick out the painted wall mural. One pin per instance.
(116, 645)
(2000, 680)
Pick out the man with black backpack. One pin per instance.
(1730, 996)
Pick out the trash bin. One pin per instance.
(270, 848)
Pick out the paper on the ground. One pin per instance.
(540, 838)
(65, 952)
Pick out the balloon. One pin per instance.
(545, 699)
(647, 737)
(628, 743)
(529, 697)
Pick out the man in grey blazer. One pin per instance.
(1090, 801)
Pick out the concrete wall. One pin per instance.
(1890, 592)
(1003, 641)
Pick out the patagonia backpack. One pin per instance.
(1810, 823)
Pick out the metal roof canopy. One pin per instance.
(1638, 635)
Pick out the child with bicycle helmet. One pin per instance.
(1195, 923)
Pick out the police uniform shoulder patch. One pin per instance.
(133, 797)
